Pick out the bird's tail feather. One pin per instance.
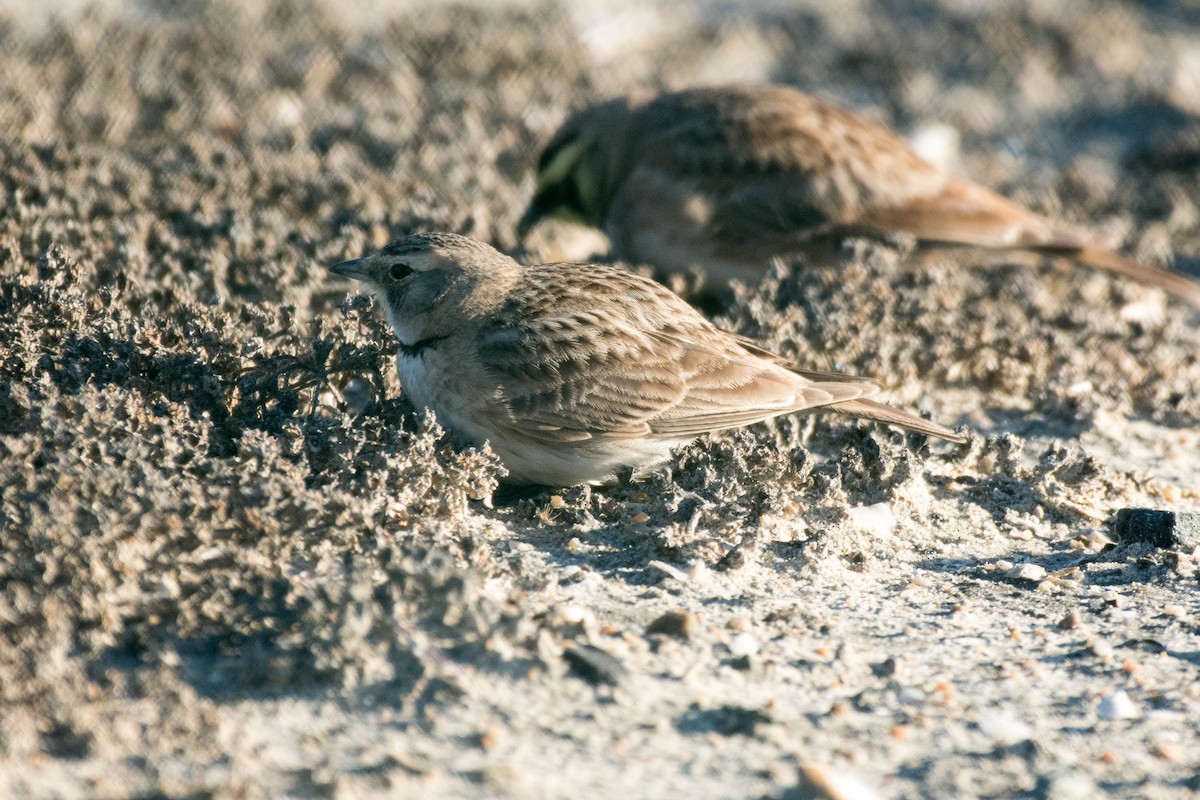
(1176, 283)
(881, 412)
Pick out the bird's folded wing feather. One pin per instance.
(630, 383)
(779, 160)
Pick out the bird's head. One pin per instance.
(430, 283)
(581, 168)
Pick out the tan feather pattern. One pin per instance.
(829, 158)
(617, 356)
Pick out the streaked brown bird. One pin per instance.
(575, 371)
(724, 179)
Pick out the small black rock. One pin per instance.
(595, 665)
(742, 663)
(726, 720)
(885, 668)
(1165, 529)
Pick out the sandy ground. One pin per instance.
(235, 563)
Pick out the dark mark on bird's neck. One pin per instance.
(416, 348)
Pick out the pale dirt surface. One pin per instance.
(234, 563)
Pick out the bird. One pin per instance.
(575, 373)
(726, 179)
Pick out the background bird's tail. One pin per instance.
(1176, 283)
(964, 213)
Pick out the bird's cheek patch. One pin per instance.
(589, 185)
(562, 164)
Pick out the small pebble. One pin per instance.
(946, 690)
(1168, 751)
(667, 569)
(489, 738)
(1003, 729)
(1118, 706)
(1071, 621)
(1080, 388)
(1164, 529)
(571, 614)
(743, 645)
(1033, 573)
(1072, 575)
(674, 623)
(495, 776)
(822, 782)
(594, 665)
(1071, 784)
(876, 519)
(938, 142)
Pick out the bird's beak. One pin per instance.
(355, 268)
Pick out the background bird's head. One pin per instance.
(580, 169)
(430, 283)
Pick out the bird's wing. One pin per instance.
(563, 383)
(730, 385)
(837, 160)
(773, 161)
(618, 372)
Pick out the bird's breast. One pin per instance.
(459, 395)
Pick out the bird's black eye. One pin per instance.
(400, 271)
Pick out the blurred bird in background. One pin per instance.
(724, 179)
